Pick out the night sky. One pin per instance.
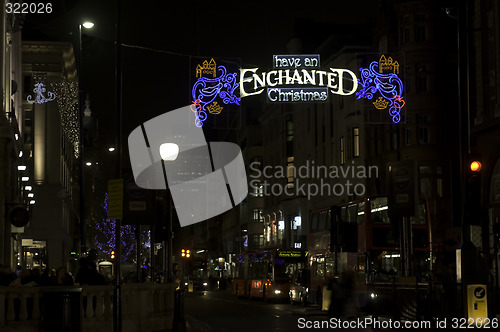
(159, 38)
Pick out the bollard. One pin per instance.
(179, 320)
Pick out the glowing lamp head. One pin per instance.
(88, 25)
(475, 166)
(169, 151)
(112, 255)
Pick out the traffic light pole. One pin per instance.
(117, 309)
(463, 106)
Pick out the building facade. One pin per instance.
(50, 134)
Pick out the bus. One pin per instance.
(358, 237)
(265, 273)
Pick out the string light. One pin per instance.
(67, 102)
(104, 235)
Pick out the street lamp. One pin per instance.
(86, 25)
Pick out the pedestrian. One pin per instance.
(25, 279)
(62, 277)
(6, 276)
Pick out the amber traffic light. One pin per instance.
(185, 253)
(475, 166)
(112, 254)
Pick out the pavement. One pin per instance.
(195, 325)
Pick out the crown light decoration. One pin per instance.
(39, 91)
(214, 108)
(387, 86)
(380, 103)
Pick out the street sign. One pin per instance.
(138, 203)
(19, 216)
(115, 199)
(477, 304)
(402, 188)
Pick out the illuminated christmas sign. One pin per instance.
(291, 74)
(381, 80)
(39, 90)
(295, 79)
(214, 90)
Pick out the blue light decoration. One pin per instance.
(104, 234)
(39, 90)
(388, 86)
(206, 90)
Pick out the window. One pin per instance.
(355, 142)
(331, 119)
(407, 136)
(379, 210)
(419, 17)
(323, 125)
(352, 214)
(257, 215)
(361, 213)
(257, 189)
(289, 128)
(289, 135)
(420, 68)
(290, 173)
(308, 119)
(394, 140)
(405, 35)
(377, 143)
(420, 33)
(421, 118)
(342, 151)
(423, 135)
(421, 83)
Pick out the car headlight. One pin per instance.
(205, 283)
(277, 291)
(185, 284)
(373, 295)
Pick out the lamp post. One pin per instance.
(86, 25)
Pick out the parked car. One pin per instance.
(299, 288)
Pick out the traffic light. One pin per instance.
(186, 253)
(475, 166)
(112, 254)
(472, 187)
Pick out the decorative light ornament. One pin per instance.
(388, 86)
(39, 90)
(104, 238)
(67, 102)
(206, 90)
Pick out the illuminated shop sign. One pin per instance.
(297, 78)
(292, 253)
